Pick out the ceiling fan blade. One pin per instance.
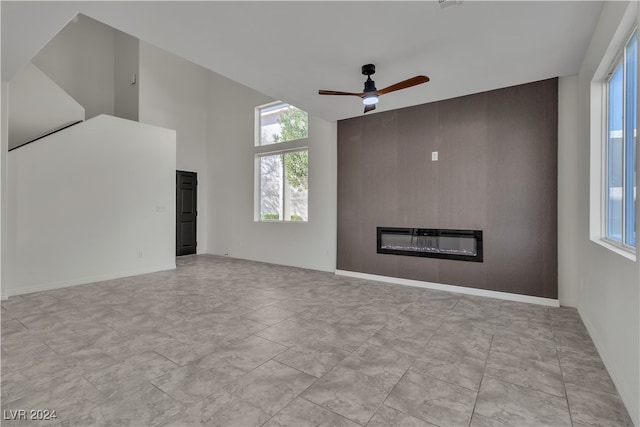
(336, 92)
(413, 81)
(368, 108)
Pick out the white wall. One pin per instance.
(4, 146)
(606, 283)
(93, 63)
(174, 94)
(93, 202)
(231, 159)
(568, 206)
(214, 119)
(37, 106)
(80, 59)
(126, 59)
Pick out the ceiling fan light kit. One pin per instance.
(370, 95)
(370, 99)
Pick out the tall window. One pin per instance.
(281, 122)
(282, 176)
(621, 119)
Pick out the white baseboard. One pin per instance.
(81, 281)
(633, 408)
(452, 288)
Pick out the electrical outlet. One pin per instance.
(434, 156)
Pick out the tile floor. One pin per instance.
(226, 342)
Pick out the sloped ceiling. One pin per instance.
(289, 50)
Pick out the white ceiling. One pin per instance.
(289, 50)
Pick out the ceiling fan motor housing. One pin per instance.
(368, 69)
(369, 85)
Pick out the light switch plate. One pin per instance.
(434, 156)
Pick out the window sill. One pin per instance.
(281, 222)
(617, 249)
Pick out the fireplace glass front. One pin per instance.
(463, 245)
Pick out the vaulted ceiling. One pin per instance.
(289, 50)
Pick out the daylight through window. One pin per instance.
(621, 119)
(281, 122)
(282, 184)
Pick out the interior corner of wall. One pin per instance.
(4, 147)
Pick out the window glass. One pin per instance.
(614, 156)
(284, 186)
(621, 118)
(631, 118)
(271, 188)
(282, 123)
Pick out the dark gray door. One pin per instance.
(186, 212)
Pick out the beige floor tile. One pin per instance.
(451, 367)
(527, 372)
(314, 360)
(378, 362)
(220, 341)
(511, 404)
(389, 417)
(302, 413)
(596, 408)
(432, 400)
(353, 395)
(271, 386)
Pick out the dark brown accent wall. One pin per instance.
(497, 172)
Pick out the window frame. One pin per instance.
(619, 60)
(281, 148)
(258, 125)
(258, 185)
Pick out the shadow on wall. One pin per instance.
(95, 64)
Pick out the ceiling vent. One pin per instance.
(447, 3)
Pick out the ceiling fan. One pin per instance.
(370, 94)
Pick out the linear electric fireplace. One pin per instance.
(463, 245)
